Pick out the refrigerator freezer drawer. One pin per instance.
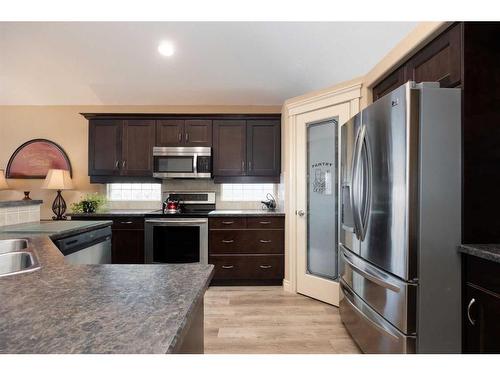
(388, 295)
(372, 333)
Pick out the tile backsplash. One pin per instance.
(209, 185)
(19, 215)
(197, 185)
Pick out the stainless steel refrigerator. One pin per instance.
(400, 222)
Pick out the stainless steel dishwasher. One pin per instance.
(93, 247)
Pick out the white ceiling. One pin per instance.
(215, 63)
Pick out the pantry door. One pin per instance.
(317, 201)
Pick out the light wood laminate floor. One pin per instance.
(268, 320)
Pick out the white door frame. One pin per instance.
(346, 95)
(317, 287)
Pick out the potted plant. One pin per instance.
(90, 203)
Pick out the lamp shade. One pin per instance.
(3, 181)
(57, 179)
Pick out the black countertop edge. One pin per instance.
(129, 213)
(20, 203)
(75, 231)
(489, 252)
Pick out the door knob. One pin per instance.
(300, 212)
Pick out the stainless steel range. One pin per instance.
(179, 235)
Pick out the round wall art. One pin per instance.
(34, 158)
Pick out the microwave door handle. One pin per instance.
(195, 164)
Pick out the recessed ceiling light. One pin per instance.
(166, 48)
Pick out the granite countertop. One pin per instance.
(63, 308)
(138, 213)
(485, 251)
(30, 202)
(245, 213)
(143, 213)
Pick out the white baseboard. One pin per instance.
(287, 287)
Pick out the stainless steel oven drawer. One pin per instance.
(388, 295)
(372, 333)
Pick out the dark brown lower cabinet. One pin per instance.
(127, 243)
(247, 250)
(481, 306)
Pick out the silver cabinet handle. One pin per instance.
(227, 241)
(250, 165)
(228, 267)
(117, 164)
(265, 266)
(242, 165)
(300, 212)
(187, 137)
(179, 137)
(265, 222)
(126, 222)
(228, 222)
(265, 241)
(123, 164)
(472, 321)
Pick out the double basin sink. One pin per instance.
(15, 258)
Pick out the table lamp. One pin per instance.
(3, 182)
(58, 179)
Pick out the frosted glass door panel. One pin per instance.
(322, 199)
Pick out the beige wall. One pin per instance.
(65, 126)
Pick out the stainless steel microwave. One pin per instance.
(182, 162)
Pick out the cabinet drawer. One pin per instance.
(248, 267)
(246, 241)
(227, 241)
(128, 223)
(483, 273)
(227, 223)
(266, 222)
(265, 241)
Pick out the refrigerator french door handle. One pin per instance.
(367, 273)
(367, 188)
(351, 188)
(355, 202)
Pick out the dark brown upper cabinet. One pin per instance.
(439, 61)
(247, 150)
(392, 82)
(169, 133)
(229, 153)
(121, 148)
(198, 133)
(245, 147)
(180, 132)
(263, 147)
(137, 153)
(105, 147)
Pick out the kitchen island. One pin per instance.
(63, 308)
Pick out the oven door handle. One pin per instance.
(177, 222)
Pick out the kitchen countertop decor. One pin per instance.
(63, 308)
(486, 251)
